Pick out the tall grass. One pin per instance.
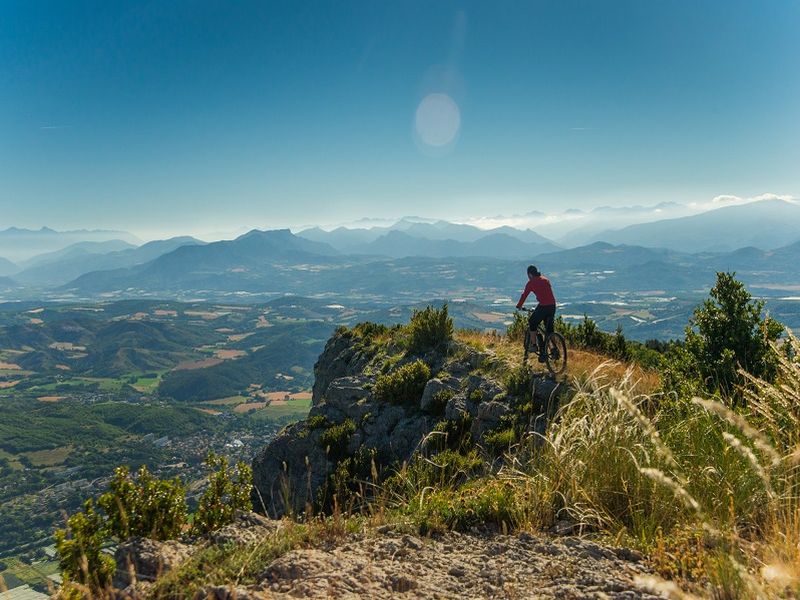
(710, 494)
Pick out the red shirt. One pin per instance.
(540, 286)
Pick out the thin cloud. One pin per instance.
(729, 199)
(50, 127)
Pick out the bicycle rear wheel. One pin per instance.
(556, 355)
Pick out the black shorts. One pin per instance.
(543, 313)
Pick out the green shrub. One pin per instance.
(439, 402)
(430, 328)
(336, 437)
(445, 470)
(483, 502)
(348, 479)
(453, 434)
(403, 386)
(518, 381)
(316, 422)
(143, 506)
(79, 550)
(369, 330)
(516, 330)
(228, 491)
(500, 439)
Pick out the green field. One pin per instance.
(34, 574)
(13, 461)
(297, 409)
(48, 458)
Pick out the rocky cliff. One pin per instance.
(349, 424)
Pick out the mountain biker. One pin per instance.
(545, 310)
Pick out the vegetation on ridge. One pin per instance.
(707, 489)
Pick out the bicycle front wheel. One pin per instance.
(556, 355)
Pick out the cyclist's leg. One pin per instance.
(536, 317)
(549, 313)
(549, 318)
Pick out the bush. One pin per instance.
(144, 506)
(483, 502)
(430, 328)
(516, 330)
(79, 548)
(499, 440)
(439, 402)
(403, 386)
(336, 437)
(518, 382)
(227, 492)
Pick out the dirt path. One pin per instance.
(452, 566)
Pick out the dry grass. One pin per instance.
(582, 365)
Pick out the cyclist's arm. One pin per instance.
(525, 293)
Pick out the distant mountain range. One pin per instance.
(759, 239)
(439, 239)
(18, 245)
(280, 262)
(767, 225)
(57, 268)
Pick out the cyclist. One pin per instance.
(545, 310)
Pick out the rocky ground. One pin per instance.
(393, 565)
(388, 563)
(457, 566)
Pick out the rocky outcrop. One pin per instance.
(347, 422)
(398, 565)
(142, 560)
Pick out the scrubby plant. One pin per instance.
(144, 505)
(79, 548)
(336, 438)
(482, 502)
(439, 402)
(518, 381)
(517, 328)
(430, 328)
(316, 422)
(499, 440)
(404, 385)
(353, 479)
(228, 491)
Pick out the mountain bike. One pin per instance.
(555, 347)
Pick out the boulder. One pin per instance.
(143, 560)
(488, 418)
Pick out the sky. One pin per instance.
(194, 116)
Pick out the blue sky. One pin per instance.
(191, 116)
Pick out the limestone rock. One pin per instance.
(143, 560)
(433, 387)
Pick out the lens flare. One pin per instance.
(437, 120)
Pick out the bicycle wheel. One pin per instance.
(556, 353)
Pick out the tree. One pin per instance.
(727, 332)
